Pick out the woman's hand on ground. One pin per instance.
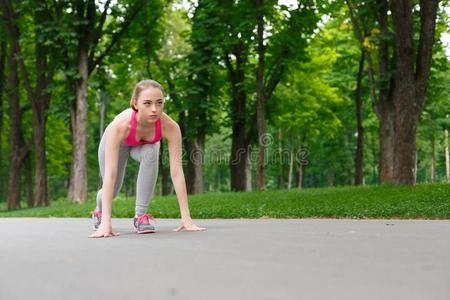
(188, 225)
(104, 231)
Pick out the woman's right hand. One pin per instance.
(104, 230)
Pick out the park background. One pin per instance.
(312, 89)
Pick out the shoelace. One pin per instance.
(98, 213)
(145, 219)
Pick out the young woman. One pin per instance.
(137, 131)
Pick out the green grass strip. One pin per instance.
(423, 201)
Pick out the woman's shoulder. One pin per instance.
(169, 126)
(121, 122)
(124, 115)
(167, 122)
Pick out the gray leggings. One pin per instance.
(147, 156)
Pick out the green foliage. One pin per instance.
(435, 118)
(306, 103)
(311, 59)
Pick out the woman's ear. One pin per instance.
(133, 104)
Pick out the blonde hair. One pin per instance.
(142, 85)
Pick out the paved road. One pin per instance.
(233, 259)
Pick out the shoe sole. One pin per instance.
(144, 231)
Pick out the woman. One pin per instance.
(137, 132)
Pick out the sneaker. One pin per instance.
(96, 218)
(142, 224)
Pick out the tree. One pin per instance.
(272, 63)
(89, 31)
(305, 106)
(197, 117)
(46, 45)
(360, 25)
(402, 81)
(282, 51)
(237, 20)
(434, 122)
(18, 150)
(410, 81)
(260, 97)
(39, 95)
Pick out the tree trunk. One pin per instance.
(248, 172)
(195, 152)
(411, 82)
(281, 154)
(29, 179)
(405, 128)
(40, 101)
(78, 190)
(71, 90)
(102, 111)
(302, 163)
(360, 142)
(78, 183)
(199, 149)
(386, 140)
(384, 108)
(447, 156)
(15, 128)
(291, 163)
(164, 172)
(239, 153)
(41, 192)
(260, 99)
(330, 178)
(239, 140)
(300, 176)
(102, 114)
(195, 157)
(2, 81)
(433, 159)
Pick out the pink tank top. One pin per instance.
(131, 141)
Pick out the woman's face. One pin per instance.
(150, 104)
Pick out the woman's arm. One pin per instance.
(176, 172)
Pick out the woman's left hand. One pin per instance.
(188, 225)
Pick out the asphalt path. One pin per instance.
(53, 258)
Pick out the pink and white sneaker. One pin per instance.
(144, 223)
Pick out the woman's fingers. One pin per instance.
(189, 228)
(196, 228)
(179, 228)
(98, 234)
(95, 235)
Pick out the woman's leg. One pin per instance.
(147, 155)
(124, 152)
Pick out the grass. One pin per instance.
(423, 201)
